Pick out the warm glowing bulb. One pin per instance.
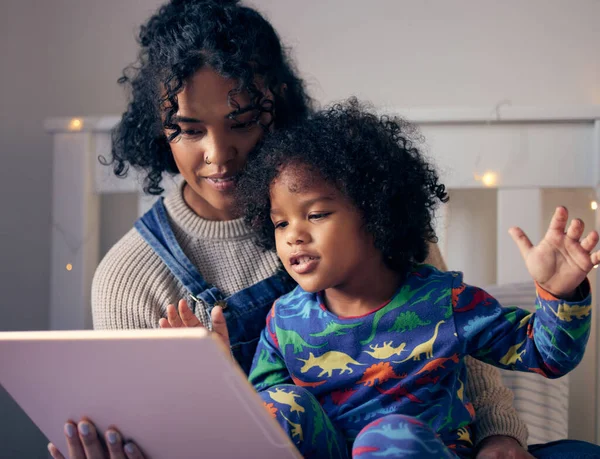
(594, 205)
(69, 267)
(489, 179)
(596, 267)
(75, 124)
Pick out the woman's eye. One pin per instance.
(191, 132)
(280, 225)
(244, 126)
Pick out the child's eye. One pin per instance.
(279, 225)
(319, 216)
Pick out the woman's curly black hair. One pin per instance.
(371, 159)
(182, 37)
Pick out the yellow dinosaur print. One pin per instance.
(296, 428)
(424, 348)
(461, 391)
(386, 351)
(567, 312)
(512, 356)
(524, 321)
(464, 435)
(286, 398)
(332, 360)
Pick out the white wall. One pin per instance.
(62, 57)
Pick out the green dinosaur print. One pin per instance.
(335, 328)
(447, 419)
(550, 334)
(318, 422)
(511, 316)
(273, 370)
(292, 337)
(407, 321)
(401, 299)
(579, 332)
(448, 304)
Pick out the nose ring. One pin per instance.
(207, 161)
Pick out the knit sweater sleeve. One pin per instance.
(132, 286)
(493, 403)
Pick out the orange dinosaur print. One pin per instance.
(539, 371)
(379, 372)
(530, 330)
(470, 409)
(456, 292)
(437, 363)
(271, 408)
(299, 382)
(339, 397)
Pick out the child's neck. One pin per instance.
(368, 291)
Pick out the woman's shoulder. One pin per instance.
(131, 285)
(125, 257)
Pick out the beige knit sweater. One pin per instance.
(132, 288)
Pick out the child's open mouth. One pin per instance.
(304, 264)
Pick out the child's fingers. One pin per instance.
(595, 257)
(164, 323)
(173, 317)
(187, 316)
(522, 241)
(590, 241)
(575, 230)
(219, 324)
(559, 220)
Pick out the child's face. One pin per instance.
(319, 233)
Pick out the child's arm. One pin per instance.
(268, 367)
(552, 340)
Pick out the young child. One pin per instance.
(367, 353)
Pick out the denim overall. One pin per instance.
(245, 311)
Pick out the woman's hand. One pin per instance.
(502, 447)
(562, 260)
(184, 317)
(83, 443)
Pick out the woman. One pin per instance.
(211, 80)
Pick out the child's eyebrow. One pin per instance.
(307, 203)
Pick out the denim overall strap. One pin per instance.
(155, 229)
(245, 311)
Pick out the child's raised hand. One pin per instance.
(184, 317)
(561, 261)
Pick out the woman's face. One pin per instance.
(215, 140)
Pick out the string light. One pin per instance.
(75, 124)
(69, 267)
(489, 179)
(594, 205)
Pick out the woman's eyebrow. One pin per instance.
(185, 119)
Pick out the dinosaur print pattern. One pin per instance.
(407, 358)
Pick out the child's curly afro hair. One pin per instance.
(371, 159)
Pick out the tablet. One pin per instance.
(175, 392)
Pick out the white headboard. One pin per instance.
(519, 151)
